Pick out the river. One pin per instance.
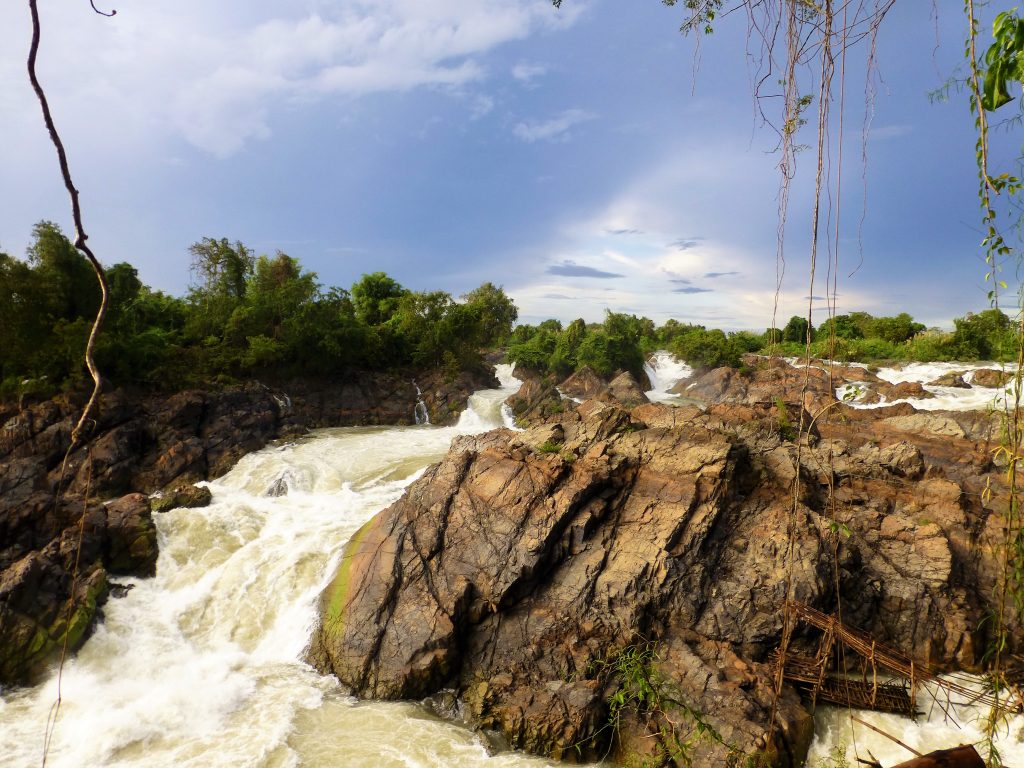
(202, 666)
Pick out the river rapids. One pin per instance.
(202, 666)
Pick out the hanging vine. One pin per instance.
(82, 428)
(77, 434)
(988, 81)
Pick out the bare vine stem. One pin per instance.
(76, 214)
(78, 433)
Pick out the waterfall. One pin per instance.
(419, 412)
(664, 371)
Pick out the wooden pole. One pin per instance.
(889, 736)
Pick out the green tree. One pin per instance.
(220, 273)
(376, 297)
(705, 349)
(897, 329)
(220, 268)
(65, 285)
(984, 335)
(277, 291)
(496, 311)
(564, 358)
(796, 330)
(842, 326)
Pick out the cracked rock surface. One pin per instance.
(516, 574)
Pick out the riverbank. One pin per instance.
(141, 444)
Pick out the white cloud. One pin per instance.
(216, 75)
(726, 281)
(526, 72)
(481, 106)
(555, 129)
(890, 132)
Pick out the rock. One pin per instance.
(131, 536)
(625, 390)
(147, 442)
(905, 390)
(989, 377)
(936, 423)
(373, 397)
(278, 488)
(681, 387)
(536, 401)
(583, 385)
(523, 579)
(765, 382)
(187, 496)
(951, 379)
(38, 606)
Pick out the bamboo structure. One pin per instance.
(890, 680)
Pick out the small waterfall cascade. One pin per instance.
(419, 412)
(664, 370)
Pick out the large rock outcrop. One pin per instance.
(541, 574)
(55, 561)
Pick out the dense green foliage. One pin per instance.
(623, 341)
(620, 343)
(249, 315)
(859, 337)
(244, 316)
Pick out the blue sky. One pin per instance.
(573, 156)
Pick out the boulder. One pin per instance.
(990, 377)
(583, 385)
(951, 379)
(625, 390)
(184, 495)
(536, 574)
(536, 401)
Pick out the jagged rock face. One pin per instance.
(379, 398)
(537, 400)
(584, 384)
(41, 540)
(514, 572)
(765, 381)
(624, 389)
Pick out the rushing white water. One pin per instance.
(835, 731)
(943, 398)
(664, 371)
(201, 664)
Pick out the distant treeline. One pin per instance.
(261, 316)
(622, 342)
(244, 316)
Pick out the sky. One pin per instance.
(588, 158)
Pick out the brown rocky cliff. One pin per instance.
(523, 566)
